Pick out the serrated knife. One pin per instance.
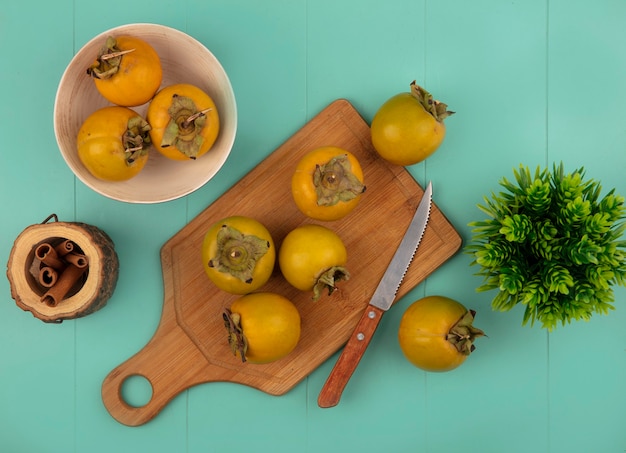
(381, 301)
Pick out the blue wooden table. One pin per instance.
(532, 82)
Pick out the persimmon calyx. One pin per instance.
(334, 182)
(463, 333)
(237, 254)
(136, 139)
(185, 126)
(437, 109)
(109, 59)
(236, 339)
(328, 280)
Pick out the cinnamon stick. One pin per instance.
(64, 247)
(47, 276)
(77, 259)
(48, 255)
(67, 279)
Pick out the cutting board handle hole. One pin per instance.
(136, 390)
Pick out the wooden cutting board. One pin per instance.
(190, 345)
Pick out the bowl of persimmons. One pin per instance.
(145, 113)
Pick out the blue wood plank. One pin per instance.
(37, 401)
(587, 67)
(362, 53)
(487, 61)
(132, 314)
(263, 52)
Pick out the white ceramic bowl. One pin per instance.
(184, 60)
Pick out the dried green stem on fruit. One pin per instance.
(463, 333)
(184, 128)
(238, 253)
(108, 62)
(136, 139)
(328, 280)
(437, 109)
(553, 244)
(236, 339)
(334, 182)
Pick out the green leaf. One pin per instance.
(538, 197)
(516, 227)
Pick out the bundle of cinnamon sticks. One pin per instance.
(57, 268)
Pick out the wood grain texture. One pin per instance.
(190, 345)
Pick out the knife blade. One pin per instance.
(381, 301)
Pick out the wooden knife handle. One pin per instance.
(350, 357)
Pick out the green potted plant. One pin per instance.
(551, 243)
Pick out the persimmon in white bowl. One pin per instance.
(183, 60)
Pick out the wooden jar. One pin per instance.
(62, 270)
